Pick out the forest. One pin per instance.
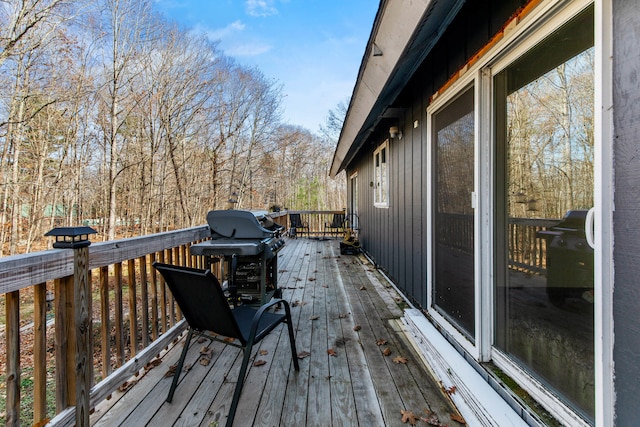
(114, 117)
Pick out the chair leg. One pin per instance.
(292, 339)
(240, 383)
(176, 375)
(292, 342)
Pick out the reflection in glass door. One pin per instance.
(544, 272)
(453, 222)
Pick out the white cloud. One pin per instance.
(221, 33)
(261, 8)
(247, 49)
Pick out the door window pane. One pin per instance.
(544, 280)
(453, 216)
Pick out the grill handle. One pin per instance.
(589, 228)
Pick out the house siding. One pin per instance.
(395, 237)
(626, 297)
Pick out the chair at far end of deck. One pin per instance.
(296, 223)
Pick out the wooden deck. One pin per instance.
(338, 302)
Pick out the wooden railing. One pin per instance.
(68, 311)
(527, 251)
(127, 333)
(316, 220)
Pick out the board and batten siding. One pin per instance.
(395, 237)
(626, 216)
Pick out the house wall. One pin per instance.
(626, 144)
(395, 237)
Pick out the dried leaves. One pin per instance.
(430, 418)
(409, 417)
(400, 360)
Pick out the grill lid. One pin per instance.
(236, 224)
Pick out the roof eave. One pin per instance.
(403, 34)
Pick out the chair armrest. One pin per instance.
(258, 315)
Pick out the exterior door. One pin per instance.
(544, 264)
(453, 218)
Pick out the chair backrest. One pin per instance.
(201, 299)
(295, 221)
(338, 221)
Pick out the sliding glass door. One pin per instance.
(544, 262)
(453, 219)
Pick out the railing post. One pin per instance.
(73, 325)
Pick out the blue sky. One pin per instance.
(312, 48)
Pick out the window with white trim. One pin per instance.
(381, 175)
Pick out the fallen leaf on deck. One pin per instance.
(409, 417)
(342, 316)
(171, 371)
(206, 351)
(314, 317)
(311, 279)
(127, 385)
(457, 418)
(201, 340)
(400, 360)
(229, 339)
(381, 341)
(357, 328)
(152, 364)
(263, 352)
(303, 354)
(332, 352)
(386, 351)
(204, 361)
(363, 288)
(432, 421)
(259, 362)
(451, 390)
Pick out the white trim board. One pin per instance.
(477, 401)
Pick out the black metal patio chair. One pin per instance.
(204, 305)
(336, 226)
(295, 223)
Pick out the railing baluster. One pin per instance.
(65, 334)
(133, 306)
(163, 295)
(144, 297)
(118, 314)
(12, 301)
(154, 299)
(40, 352)
(105, 330)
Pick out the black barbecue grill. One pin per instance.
(569, 258)
(248, 244)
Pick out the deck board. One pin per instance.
(329, 295)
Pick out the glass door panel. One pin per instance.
(544, 285)
(453, 222)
